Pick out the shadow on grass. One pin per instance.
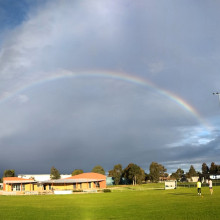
(183, 194)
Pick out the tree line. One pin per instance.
(134, 174)
(179, 175)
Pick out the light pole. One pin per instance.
(218, 94)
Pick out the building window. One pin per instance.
(49, 186)
(90, 185)
(74, 185)
(16, 187)
(23, 187)
(80, 185)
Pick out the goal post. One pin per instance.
(170, 184)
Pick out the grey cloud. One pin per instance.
(175, 45)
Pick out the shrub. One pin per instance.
(77, 190)
(106, 190)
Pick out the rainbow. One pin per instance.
(110, 75)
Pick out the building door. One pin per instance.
(74, 185)
(16, 187)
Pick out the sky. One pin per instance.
(86, 83)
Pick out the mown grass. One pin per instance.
(131, 203)
(137, 187)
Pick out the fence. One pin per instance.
(189, 184)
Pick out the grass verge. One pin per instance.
(131, 203)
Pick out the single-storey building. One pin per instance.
(97, 180)
(193, 179)
(13, 184)
(110, 181)
(81, 182)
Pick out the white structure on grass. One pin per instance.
(170, 184)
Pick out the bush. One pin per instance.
(77, 190)
(106, 190)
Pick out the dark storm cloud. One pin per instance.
(77, 123)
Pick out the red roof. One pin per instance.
(13, 178)
(16, 179)
(88, 176)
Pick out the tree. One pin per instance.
(178, 175)
(116, 173)
(54, 173)
(147, 176)
(156, 170)
(192, 172)
(134, 174)
(214, 169)
(76, 172)
(9, 173)
(98, 169)
(205, 168)
(175, 176)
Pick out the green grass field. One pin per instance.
(140, 202)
